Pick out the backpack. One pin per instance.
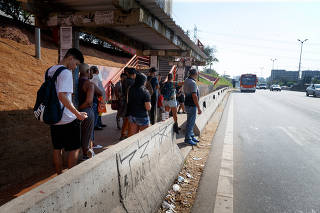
(47, 108)
(167, 91)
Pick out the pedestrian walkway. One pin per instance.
(110, 135)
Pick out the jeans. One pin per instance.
(152, 112)
(96, 114)
(191, 120)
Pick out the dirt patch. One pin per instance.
(189, 176)
(14, 34)
(25, 145)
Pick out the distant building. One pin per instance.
(283, 75)
(310, 74)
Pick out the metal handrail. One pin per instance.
(135, 62)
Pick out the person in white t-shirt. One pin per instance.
(66, 133)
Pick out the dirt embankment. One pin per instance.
(25, 146)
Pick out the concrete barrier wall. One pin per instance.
(208, 105)
(131, 176)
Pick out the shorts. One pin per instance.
(140, 121)
(66, 136)
(170, 103)
(180, 99)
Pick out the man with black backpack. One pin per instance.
(65, 128)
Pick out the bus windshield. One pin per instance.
(248, 80)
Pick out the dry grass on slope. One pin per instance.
(22, 74)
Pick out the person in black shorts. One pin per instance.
(180, 99)
(139, 103)
(66, 133)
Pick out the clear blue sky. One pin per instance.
(248, 34)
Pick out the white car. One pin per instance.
(313, 89)
(263, 86)
(275, 87)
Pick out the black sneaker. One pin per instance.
(98, 128)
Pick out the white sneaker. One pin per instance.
(97, 147)
(90, 153)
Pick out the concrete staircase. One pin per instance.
(164, 67)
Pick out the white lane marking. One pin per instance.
(290, 134)
(224, 197)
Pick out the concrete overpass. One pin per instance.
(145, 25)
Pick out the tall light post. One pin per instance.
(273, 60)
(301, 42)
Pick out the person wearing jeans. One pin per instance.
(191, 120)
(191, 105)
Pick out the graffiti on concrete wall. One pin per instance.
(137, 160)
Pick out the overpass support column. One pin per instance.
(76, 35)
(38, 43)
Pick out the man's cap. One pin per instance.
(94, 67)
(132, 71)
(193, 71)
(152, 69)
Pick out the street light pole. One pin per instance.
(301, 42)
(273, 60)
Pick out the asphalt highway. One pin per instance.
(276, 154)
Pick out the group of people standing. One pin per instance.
(139, 95)
(136, 102)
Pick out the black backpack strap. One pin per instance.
(57, 72)
(47, 76)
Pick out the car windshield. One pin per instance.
(317, 86)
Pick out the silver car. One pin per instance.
(313, 89)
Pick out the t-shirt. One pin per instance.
(169, 90)
(64, 83)
(154, 83)
(136, 101)
(189, 87)
(118, 89)
(97, 81)
(127, 83)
